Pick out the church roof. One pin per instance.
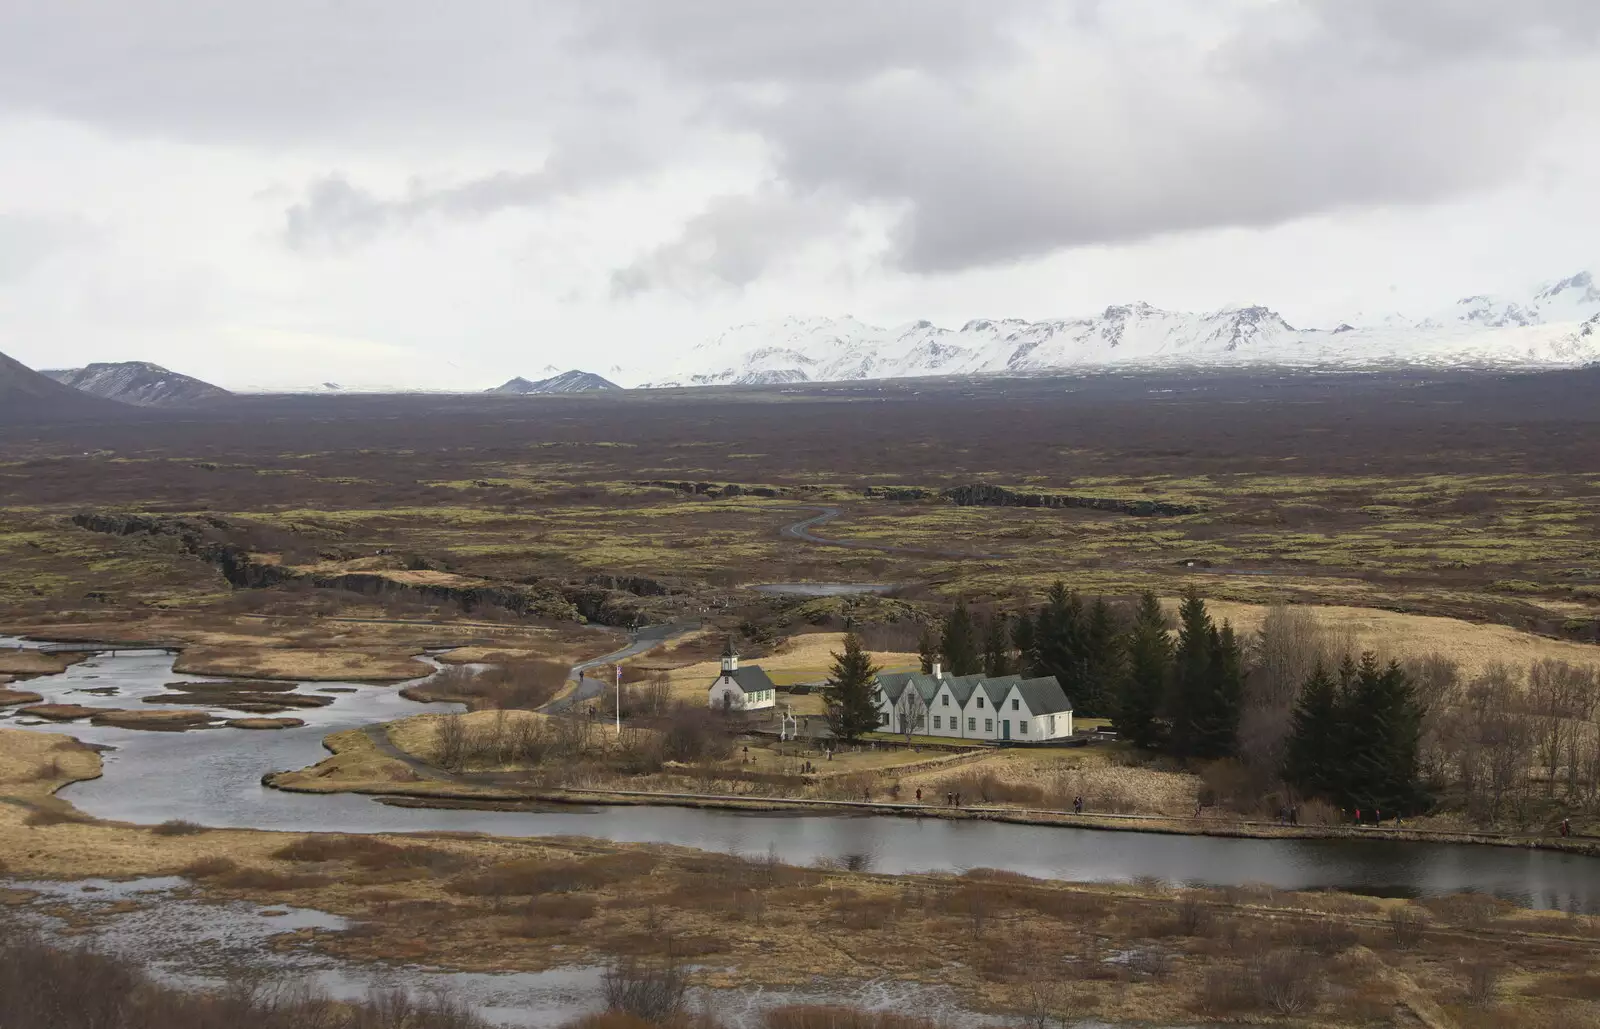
(751, 678)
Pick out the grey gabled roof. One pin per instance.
(1044, 696)
(751, 678)
(961, 687)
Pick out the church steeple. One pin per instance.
(730, 658)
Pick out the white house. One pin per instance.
(741, 689)
(973, 707)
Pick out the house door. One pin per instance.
(1005, 727)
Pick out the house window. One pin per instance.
(1022, 726)
(1016, 705)
(944, 701)
(1052, 725)
(972, 725)
(936, 721)
(988, 725)
(883, 718)
(980, 701)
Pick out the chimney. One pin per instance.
(938, 671)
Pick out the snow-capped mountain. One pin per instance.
(1557, 326)
(139, 383)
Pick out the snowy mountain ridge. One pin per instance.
(1556, 326)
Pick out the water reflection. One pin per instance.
(213, 777)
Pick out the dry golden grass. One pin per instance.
(9, 697)
(37, 764)
(15, 661)
(329, 665)
(1396, 635)
(1088, 772)
(805, 658)
(155, 720)
(355, 762)
(265, 723)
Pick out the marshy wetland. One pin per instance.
(312, 557)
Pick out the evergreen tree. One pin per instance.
(1216, 709)
(996, 647)
(1143, 687)
(1059, 640)
(1102, 646)
(1193, 680)
(1383, 734)
(927, 650)
(962, 650)
(1311, 754)
(1022, 641)
(851, 708)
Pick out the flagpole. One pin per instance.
(619, 699)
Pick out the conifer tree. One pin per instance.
(1143, 686)
(1022, 641)
(1059, 641)
(852, 685)
(1193, 680)
(996, 647)
(1102, 646)
(927, 650)
(1383, 722)
(1311, 754)
(1216, 708)
(962, 650)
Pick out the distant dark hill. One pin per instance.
(139, 383)
(567, 382)
(27, 396)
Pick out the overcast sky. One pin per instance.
(448, 194)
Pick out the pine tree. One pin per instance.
(1216, 707)
(1192, 675)
(1023, 642)
(1311, 755)
(851, 710)
(1143, 687)
(996, 647)
(1059, 639)
(1102, 646)
(1384, 729)
(963, 653)
(927, 650)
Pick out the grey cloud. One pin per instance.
(336, 212)
(803, 43)
(1306, 108)
(27, 242)
(732, 243)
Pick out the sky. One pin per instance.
(412, 193)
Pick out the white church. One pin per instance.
(741, 689)
(1005, 708)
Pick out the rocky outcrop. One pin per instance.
(899, 493)
(984, 495)
(715, 489)
(203, 536)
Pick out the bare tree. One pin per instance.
(1285, 651)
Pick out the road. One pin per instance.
(588, 688)
(801, 530)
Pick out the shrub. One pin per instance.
(651, 990)
(1483, 981)
(39, 817)
(808, 1016)
(1194, 918)
(1407, 926)
(177, 827)
(208, 867)
(1288, 981)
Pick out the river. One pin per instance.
(213, 777)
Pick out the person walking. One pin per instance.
(919, 794)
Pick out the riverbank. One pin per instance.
(384, 762)
(1117, 952)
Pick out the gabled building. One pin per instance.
(973, 707)
(741, 689)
